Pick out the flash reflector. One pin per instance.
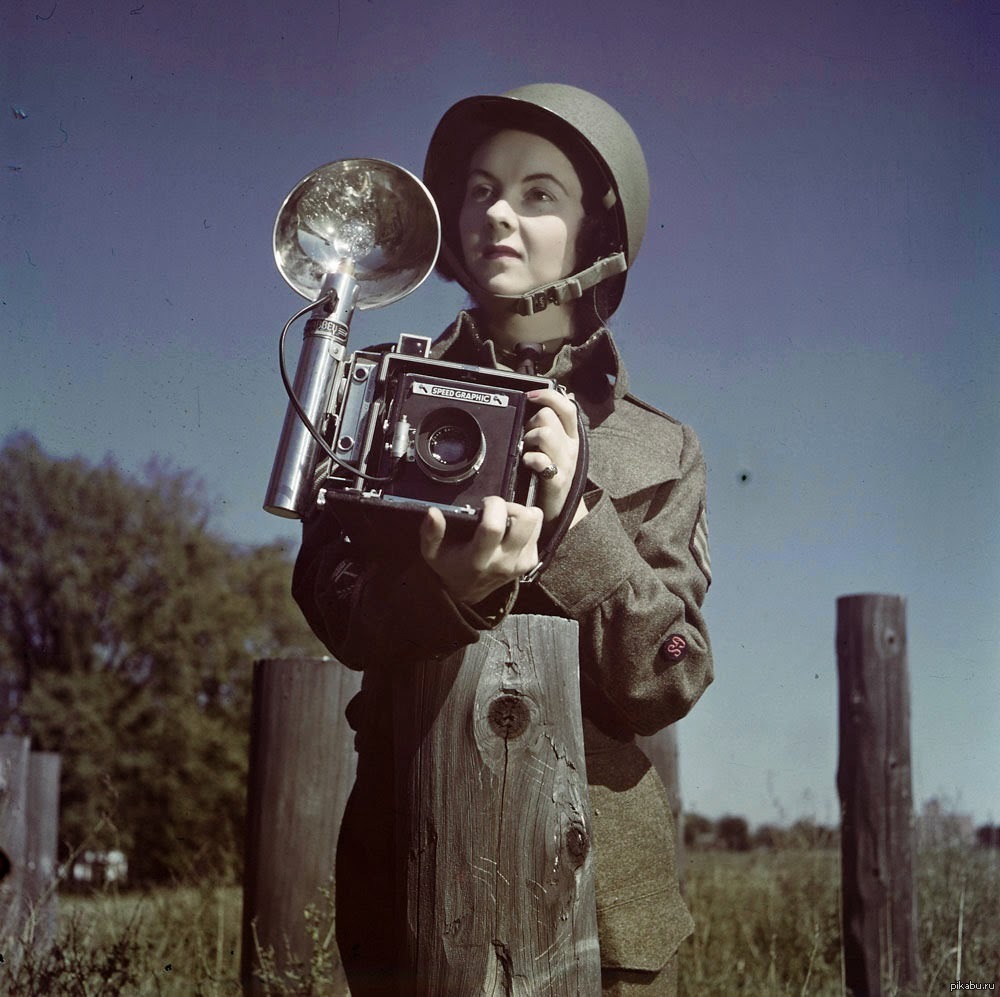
(353, 233)
(369, 211)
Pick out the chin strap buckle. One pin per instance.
(569, 288)
(538, 301)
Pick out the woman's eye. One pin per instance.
(480, 192)
(539, 194)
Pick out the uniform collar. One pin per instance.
(596, 359)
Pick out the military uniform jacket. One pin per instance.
(633, 573)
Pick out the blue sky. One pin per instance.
(817, 295)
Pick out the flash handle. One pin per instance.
(324, 348)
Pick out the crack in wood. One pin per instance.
(506, 964)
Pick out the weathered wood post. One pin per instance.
(494, 825)
(302, 767)
(41, 872)
(14, 752)
(879, 909)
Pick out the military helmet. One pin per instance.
(597, 140)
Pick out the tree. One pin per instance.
(988, 836)
(770, 836)
(697, 829)
(733, 833)
(131, 628)
(806, 833)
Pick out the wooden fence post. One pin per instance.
(302, 767)
(494, 825)
(874, 780)
(41, 872)
(14, 751)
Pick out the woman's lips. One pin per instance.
(497, 252)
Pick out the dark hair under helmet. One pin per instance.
(594, 136)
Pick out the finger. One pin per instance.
(432, 530)
(492, 524)
(545, 416)
(540, 462)
(550, 440)
(544, 448)
(525, 525)
(526, 536)
(563, 407)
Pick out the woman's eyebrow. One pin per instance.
(478, 171)
(545, 176)
(483, 173)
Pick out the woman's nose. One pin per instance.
(500, 213)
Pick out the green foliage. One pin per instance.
(733, 833)
(321, 975)
(73, 965)
(696, 827)
(132, 629)
(803, 833)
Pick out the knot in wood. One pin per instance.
(508, 716)
(577, 843)
(889, 642)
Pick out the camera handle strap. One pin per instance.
(573, 499)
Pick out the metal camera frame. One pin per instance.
(387, 399)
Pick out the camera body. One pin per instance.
(412, 432)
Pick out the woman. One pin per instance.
(543, 194)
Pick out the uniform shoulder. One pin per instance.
(636, 447)
(645, 419)
(640, 406)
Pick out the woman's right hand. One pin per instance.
(503, 548)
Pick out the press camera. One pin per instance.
(381, 433)
(410, 432)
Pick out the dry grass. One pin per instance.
(182, 941)
(768, 924)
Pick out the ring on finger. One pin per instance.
(548, 473)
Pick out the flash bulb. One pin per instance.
(365, 213)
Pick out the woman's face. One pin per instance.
(521, 213)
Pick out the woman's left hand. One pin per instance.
(552, 441)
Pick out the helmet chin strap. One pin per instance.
(567, 288)
(559, 292)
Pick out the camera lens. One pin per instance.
(450, 444)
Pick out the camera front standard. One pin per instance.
(411, 432)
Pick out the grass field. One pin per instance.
(767, 923)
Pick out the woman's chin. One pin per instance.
(502, 286)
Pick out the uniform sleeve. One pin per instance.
(643, 638)
(389, 607)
